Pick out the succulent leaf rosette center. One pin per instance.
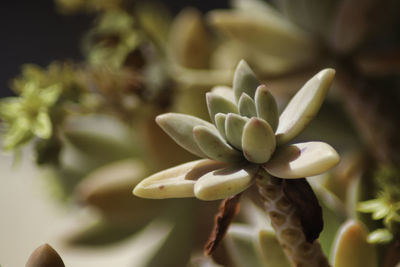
(246, 134)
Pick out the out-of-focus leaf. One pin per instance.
(189, 41)
(45, 256)
(242, 246)
(271, 251)
(351, 248)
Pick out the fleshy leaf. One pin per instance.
(45, 256)
(266, 106)
(180, 128)
(303, 106)
(258, 141)
(224, 91)
(214, 146)
(302, 160)
(351, 248)
(222, 183)
(271, 250)
(234, 129)
(177, 181)
(219, 104)
(247, 106)
(42, 126)
(244, 81)
(220, 119)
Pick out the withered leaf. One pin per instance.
(228, 209)
(300, 193)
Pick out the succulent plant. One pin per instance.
(247, 145)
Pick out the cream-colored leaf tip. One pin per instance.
(247, 133)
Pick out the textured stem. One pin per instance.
(285, 220)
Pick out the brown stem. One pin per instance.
(286, 222)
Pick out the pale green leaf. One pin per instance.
(258, 141)
(220, 119)
(244, 81)
(222, 183)
(176, 182)
(180, 128)
(214, 146)
(224, 91)
(266, 106)
(234, 129)
(304, 106)
(302, 160)
(247, 106)
(219, 104)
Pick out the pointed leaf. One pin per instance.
(219, 104)
(18, 133)
(271, 250)
(177, 181)
(42, 126)
(45, 256)
(224, 91)
(10, 107)
(189, 39)
(247, 106)
(351, 248)
(180, 128)
(234, 125)
(220, 119)
(214, 146)
(258, 141)
(244, 81)
(266, 106)
(222, 183)
(303, 106)
(302, 160)
(50, 95)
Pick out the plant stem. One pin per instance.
(285, 220)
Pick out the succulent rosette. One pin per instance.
(247, 134)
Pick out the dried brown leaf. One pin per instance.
(300, 193)
(228, 209)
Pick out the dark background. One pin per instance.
(33, 32)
